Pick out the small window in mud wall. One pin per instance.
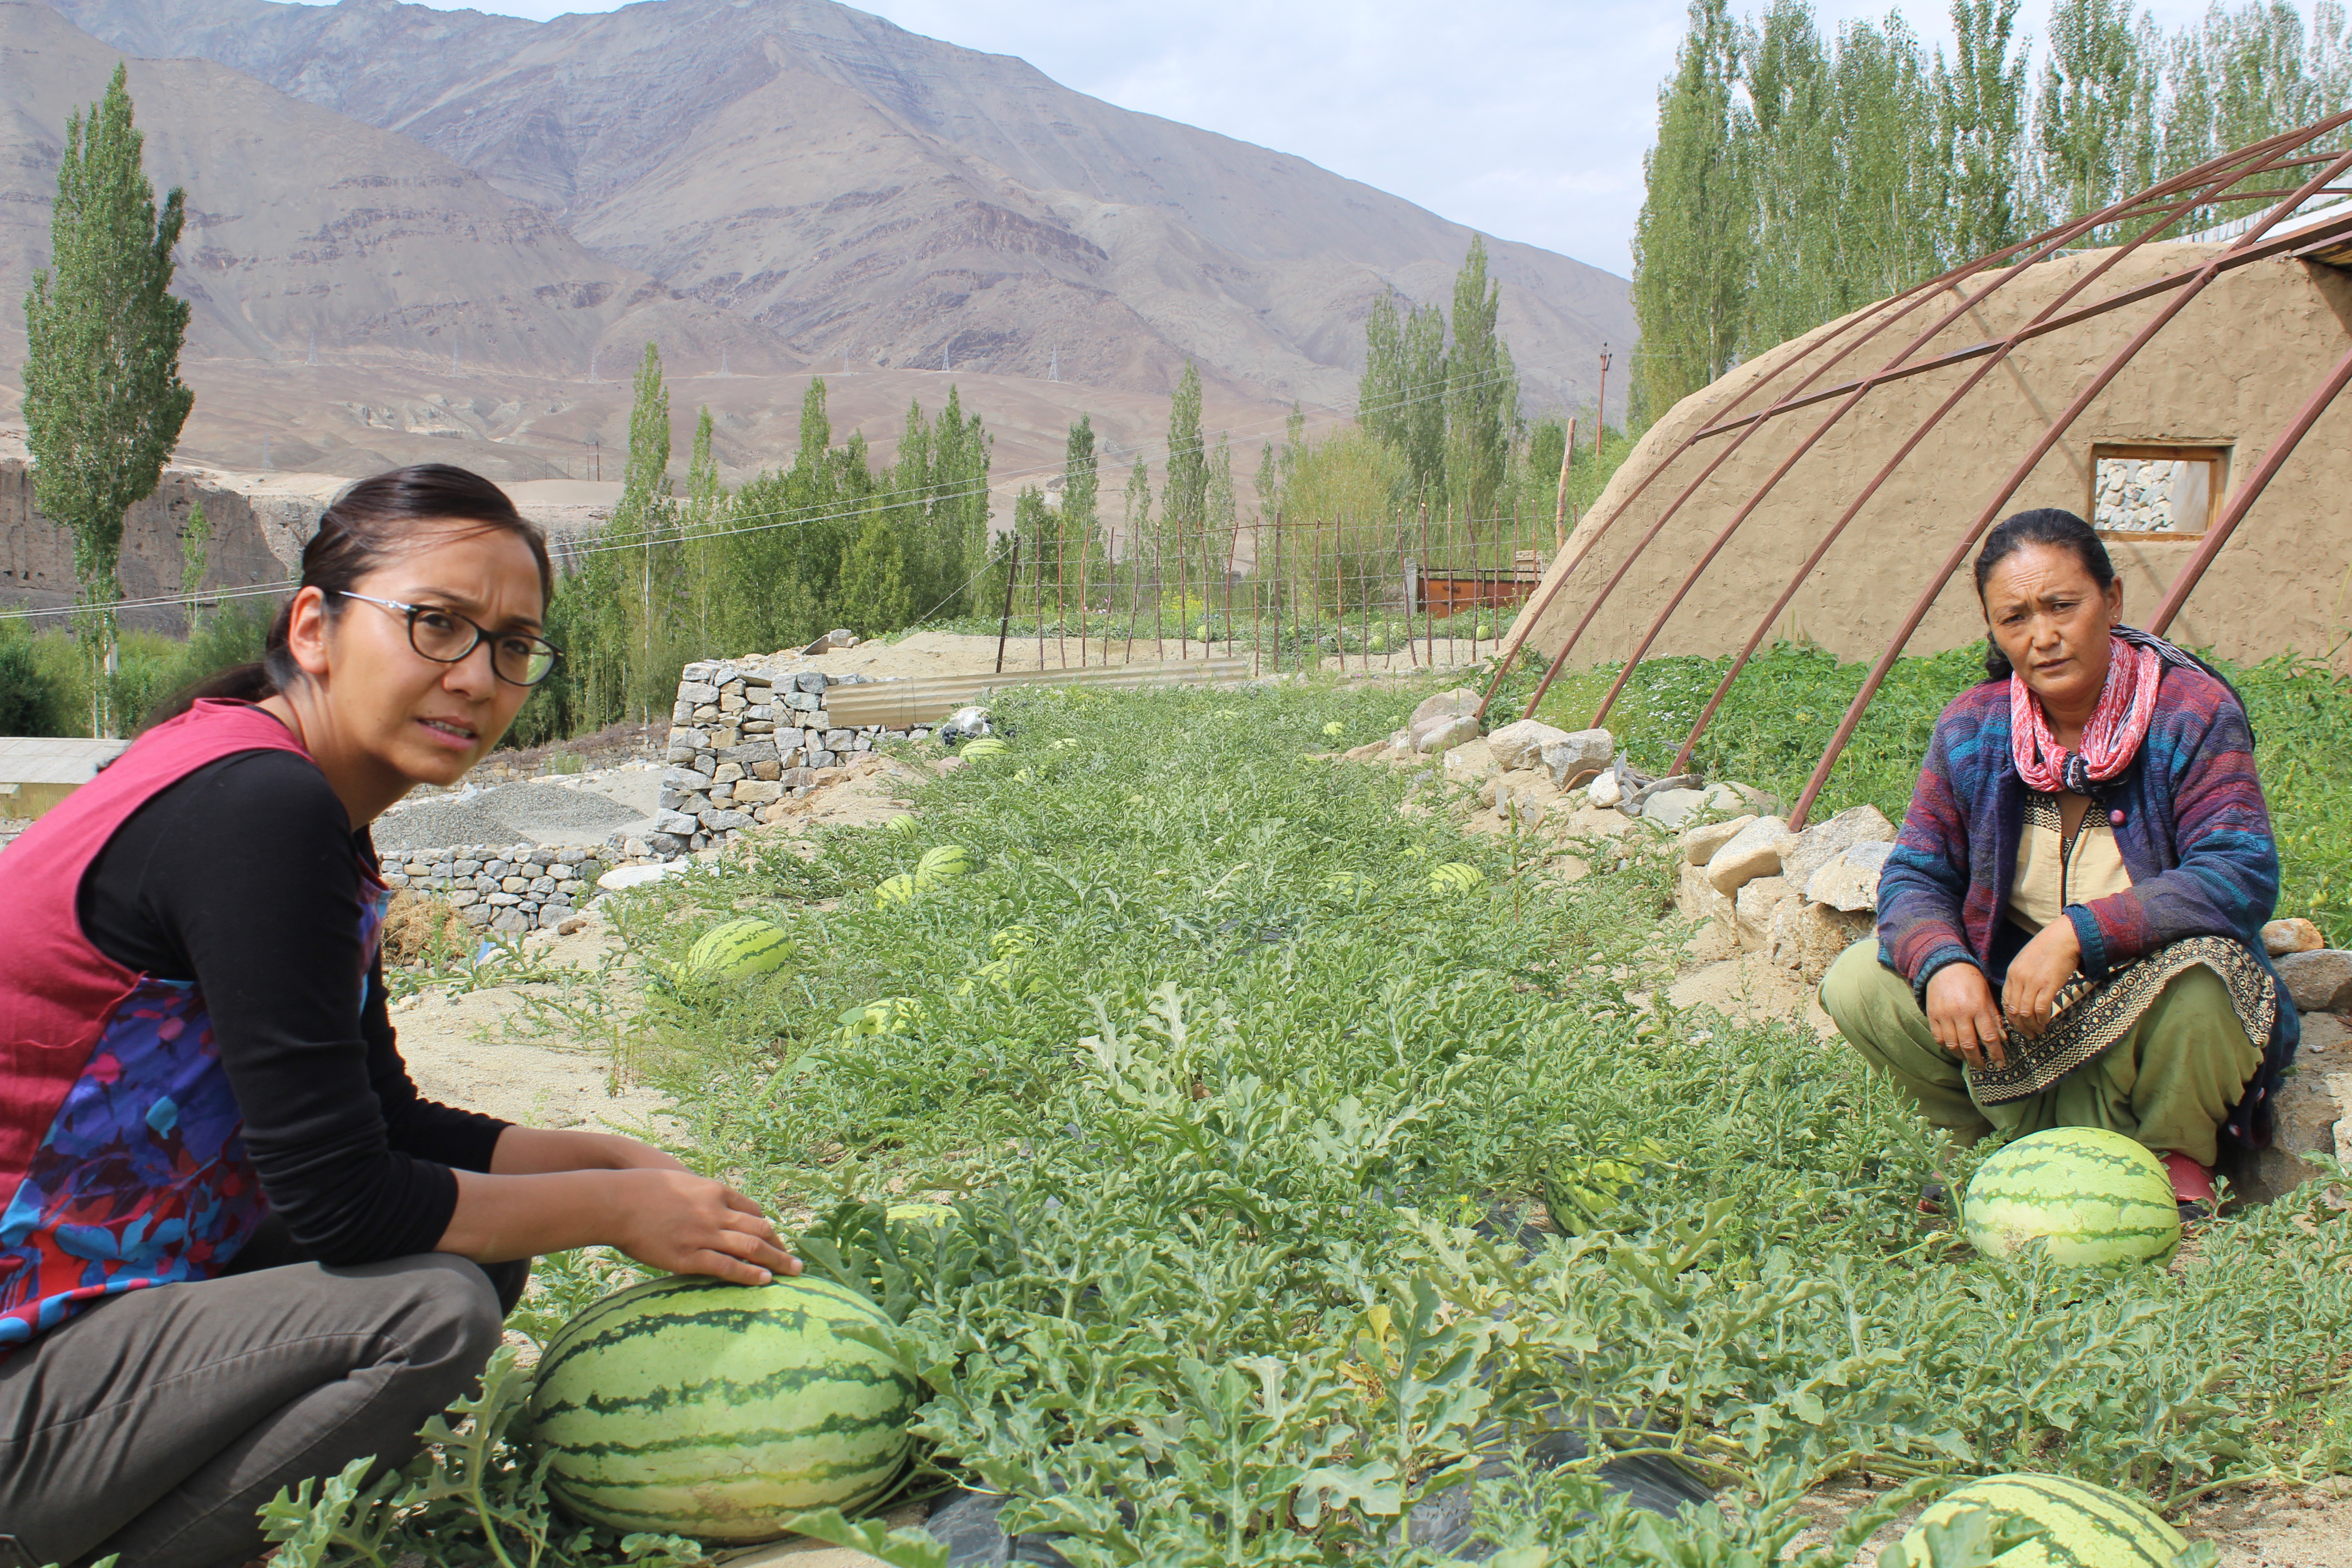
(2156, 492)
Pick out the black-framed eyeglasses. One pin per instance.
(445, 637)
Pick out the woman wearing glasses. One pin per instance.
(236, 1248)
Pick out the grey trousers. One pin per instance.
(155, 1425)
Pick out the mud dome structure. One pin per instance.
(2179, 393)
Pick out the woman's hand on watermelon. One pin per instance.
(2049, 960)
(687, 1224)
(1962, 1017)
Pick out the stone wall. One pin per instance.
(742, 739)
(502, 888)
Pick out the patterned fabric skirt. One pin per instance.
(2088, 1017)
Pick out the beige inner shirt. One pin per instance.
(2050, 876)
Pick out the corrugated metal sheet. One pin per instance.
(896, 704)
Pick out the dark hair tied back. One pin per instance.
(373, 520)
(2043, 525)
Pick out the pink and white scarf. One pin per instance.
(2112, 738)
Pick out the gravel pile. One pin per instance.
(499, 815)
(542, 808)
(431, 824)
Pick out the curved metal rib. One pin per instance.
(2049, 438)
(1989, 363)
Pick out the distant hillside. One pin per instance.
(307, 226)
(861, 191)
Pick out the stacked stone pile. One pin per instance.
(1798, 898)
(503, 887)
(742, 737)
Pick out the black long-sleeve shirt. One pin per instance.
(245, 877)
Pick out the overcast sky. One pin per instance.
(1526, 119)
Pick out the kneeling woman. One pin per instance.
(2070, 927)
(237, 1249)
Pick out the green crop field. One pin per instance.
(1229, 1098)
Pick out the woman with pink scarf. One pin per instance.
(2069, 926)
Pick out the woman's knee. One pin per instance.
(1847, 989)
(446, 1316)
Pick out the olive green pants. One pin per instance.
(2167, 1083)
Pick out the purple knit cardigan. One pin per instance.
(2195, 834)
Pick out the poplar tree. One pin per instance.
(1081, 485)
(1184, 496)
(1980, 127)
(1482, 391)
(103, 399)
(2095, 119)
(1697, 229)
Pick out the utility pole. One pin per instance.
(1056, 374)
(596, 456)
(1600, 406)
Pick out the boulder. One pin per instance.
(2283, 937)
(1442, 734)
(1699, 845)
(1824, 842)
(1521, 745)
(1715, 935)
(1604, 791)
(1754, 851)
(1670, 808)
(2311, 1113)
(1445, 705)
(1578, 755)
(1370, 751)
(1849, 882)
(1756, 903)
(1807, 937)
(1594, 821)
(1470, 760)
(2320, 982)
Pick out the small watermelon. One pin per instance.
(986, 746)
(897, 890)
(1012, 942)
(1456, 878)
(740, 948)
(1334, 729)
(903, 826)
(919, 1214)
(891, 1015)
(2090, 1195)
(693, 1408)
(2088, 1526)
(947, 860)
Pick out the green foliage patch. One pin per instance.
(1240, 1122)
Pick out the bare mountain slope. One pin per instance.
(870, 192)
(302, 221)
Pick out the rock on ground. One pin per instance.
(1754, 851)
(1817, 846)
(1521, 745)
(1700, 843)
(2320, 981)
(1849, 882)
(1578, 755)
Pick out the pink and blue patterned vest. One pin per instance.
(123, 1159)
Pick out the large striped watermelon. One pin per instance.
(2090, 1195)
(740, 949)
(718, 1411)
(2088, 1526)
